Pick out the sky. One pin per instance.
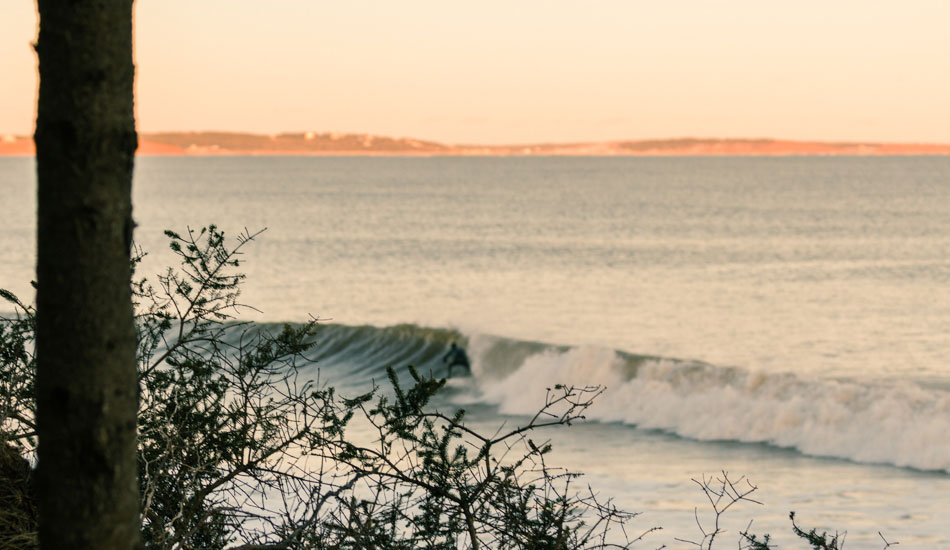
(527, 71)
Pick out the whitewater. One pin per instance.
(780, 318)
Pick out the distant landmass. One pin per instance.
(332, 143)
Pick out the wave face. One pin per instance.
(358, 356)
(900, 423)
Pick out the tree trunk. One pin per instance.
(85, 337)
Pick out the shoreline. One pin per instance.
(222, 144)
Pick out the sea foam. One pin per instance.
(891, 422)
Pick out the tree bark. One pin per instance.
(85, 338)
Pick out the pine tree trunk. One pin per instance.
(86, 379)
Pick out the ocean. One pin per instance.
(786, 319)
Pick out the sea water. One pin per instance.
(786, 319)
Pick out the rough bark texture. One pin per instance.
(86, 379)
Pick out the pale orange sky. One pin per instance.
(503, 71)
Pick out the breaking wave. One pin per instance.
(902, 423)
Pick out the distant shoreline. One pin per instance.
(336, 144)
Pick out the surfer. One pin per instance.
(456, 356)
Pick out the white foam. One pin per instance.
(523, 391)
(901, 423)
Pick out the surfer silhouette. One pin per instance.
(456, 356)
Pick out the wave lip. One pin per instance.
(900, 423)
